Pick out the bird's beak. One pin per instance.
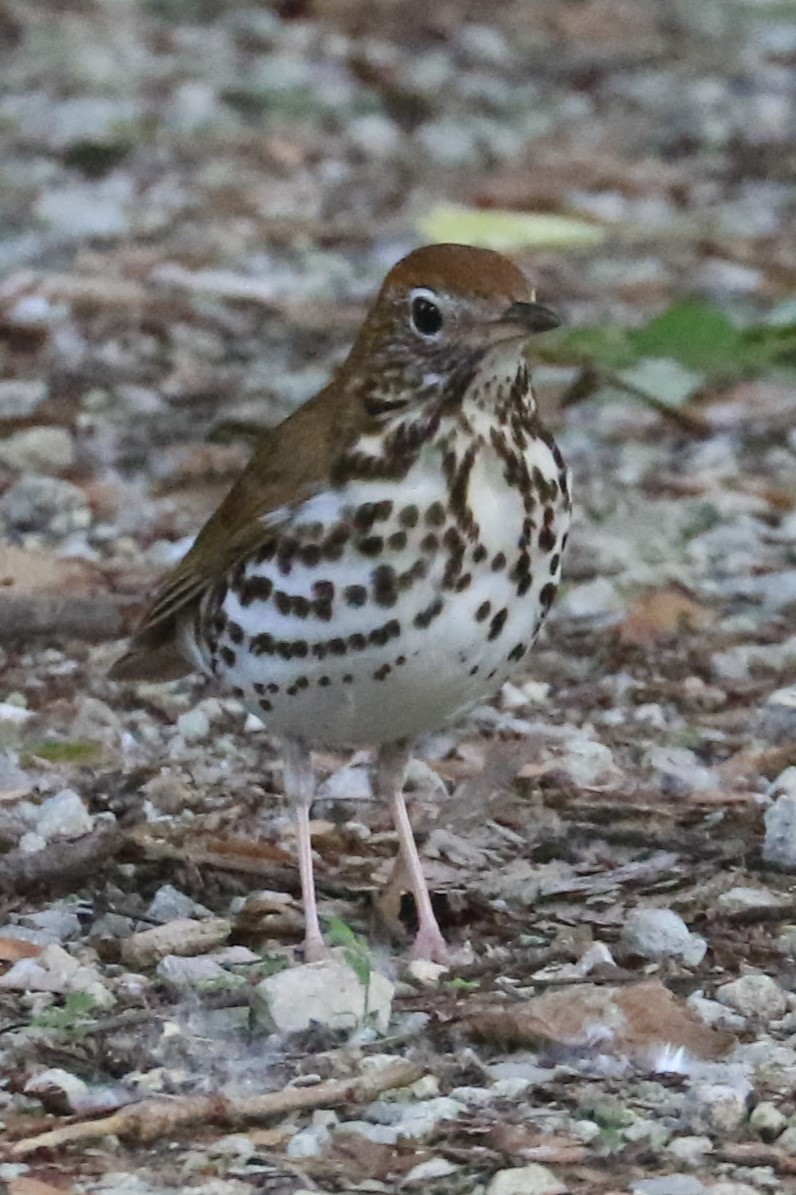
(529, 318)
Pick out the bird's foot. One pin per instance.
(429, 944)
(316, 951)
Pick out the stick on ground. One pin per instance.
(152, 1119)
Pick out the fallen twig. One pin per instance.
(59, 864)
(156, 1118)
(36, 616)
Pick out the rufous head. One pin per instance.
(442, 307)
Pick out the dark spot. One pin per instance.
(382, 672)
(397, 541)
(429, 543)
(238, 692)
(332, 547)
(564, 539)
(319, 650)
(497, 624)
(300, 606)
(463, 582)
(302, 683)
(357, 641)
(348, 679)
(262, 645)
(324, 682)
(265, 705)
(547, 539)
(475, 668)
(554, 563)
(255, 589)
(371, 545)
(399, 660)
(337, 647)
(228, 656)
(383, 634)
(547, 594)
(287, 549)
(498, 562)
(259, 688)
(518, 652)
(272, 687)
(409, 516)
(523, 585)
(385, 585)
(355, 595)
(479, 554)
(282, 601)
(235, 632)
(310, 555)
(427, 616)
(435, 515)
(483, 611)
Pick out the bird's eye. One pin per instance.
(426, 316)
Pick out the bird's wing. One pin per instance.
(289, 464)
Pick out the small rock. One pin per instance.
(181, 937)
(776, 721)
(679, 771)
(733, 1188)
(58, 1090)
(690, 1150)
(56, 971)
(767, 1121)
(381, 1134)
(190, 972)
(235, 1145)
(193, 725)
(779, 843)
(754, 996)
(327, 993)
(44, 504)
(738, 900)
(351, 783)
(426, 973)
(585, 760)
(40, 449)
(20, 398)
(169, 904)
(432, 1168)
(670, 1184)
(713, 1013)
(63, 816)
(597, 600)
(714, 1108)
(309, 1143)
(661, 933)
(526, 1180)
(787, 1141)
(416, 1119)
(58, 923)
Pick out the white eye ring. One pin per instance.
(425, 314)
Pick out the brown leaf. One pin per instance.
(660, 615)
(14, 949)
(34, 1186)
(640, 1020)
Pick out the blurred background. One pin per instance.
(199, 197)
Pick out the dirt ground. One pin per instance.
(198, 200)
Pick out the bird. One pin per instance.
(386, 559)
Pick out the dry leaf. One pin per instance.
(34, 1186)
(14, 949)
(660, 615)
(643, 1021)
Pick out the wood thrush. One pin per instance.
(388, 555)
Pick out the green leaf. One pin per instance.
(506, 230)
(664, 379)
(694, 333)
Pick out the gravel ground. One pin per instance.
(198, 200)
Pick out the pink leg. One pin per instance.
(429, 943)
(300, 790)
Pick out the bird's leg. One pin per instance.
(391, 768)
(300, 790)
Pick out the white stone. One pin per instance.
(42, 449)
(526, 1180)
(779, 843)
(63, 816)
(190, 972)
(56, 971)
(690, 1150)
(767, 1120)
(754, 996)
(193, 725)
(714, 1108)
(327, 993)
(20, 398)
(426, 973)
(738, 900)
(169, 903)
(309, 1143)
(662, 933)
(14, 713)
(670, 1184)
(72, 1089)
(432, 1168)
(235, 1145)
(351, 783)
(382, 1134)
